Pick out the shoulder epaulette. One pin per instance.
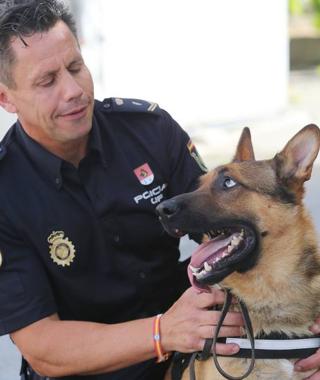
(130, 105)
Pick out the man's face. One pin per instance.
(54, 91)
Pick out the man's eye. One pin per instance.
(229, 183)
(46, 83)
(75, 68)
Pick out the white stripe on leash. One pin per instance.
(276, 344)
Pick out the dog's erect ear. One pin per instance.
(244, 149)
(295, 161)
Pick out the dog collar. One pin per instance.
(296, 348)
(268, 348)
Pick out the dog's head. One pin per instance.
(243, 208)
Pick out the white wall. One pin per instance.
(204, 61)
(6, 120)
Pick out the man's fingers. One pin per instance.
(208, 331)
(206, 300)
(232, 318)
(315, 328)
(312, 362)
(229, 331)
(315, 376)
(223, 349)
(212, 317)
(227, 349)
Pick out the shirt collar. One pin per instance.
(49, 164)
(95, 142)
(46, 162)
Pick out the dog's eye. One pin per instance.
(229, 183)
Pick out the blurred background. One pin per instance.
(216, 66)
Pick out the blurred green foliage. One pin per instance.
(311, 7)
(295, 7)
(316, 5)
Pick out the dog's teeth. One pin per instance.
(194, 269)
(200, 275)
(226, 253)
(207, 267)
(230, 248)
(235, 241)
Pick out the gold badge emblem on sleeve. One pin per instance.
(62, 250)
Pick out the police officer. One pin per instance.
(86, 268)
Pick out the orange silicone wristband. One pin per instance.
(161, 356)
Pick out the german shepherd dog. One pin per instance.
(259, 242)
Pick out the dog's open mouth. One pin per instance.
(222, 254)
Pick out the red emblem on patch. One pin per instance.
(144, 174)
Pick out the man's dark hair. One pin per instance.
(23, 19)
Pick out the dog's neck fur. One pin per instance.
(290, 304)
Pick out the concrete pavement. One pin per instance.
(9, 360)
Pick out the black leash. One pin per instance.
(210, 344)
(182, 361)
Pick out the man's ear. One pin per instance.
(5, 99)
(295, 161)
(244, 150)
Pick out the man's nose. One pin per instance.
(71, 88)
(168, 209)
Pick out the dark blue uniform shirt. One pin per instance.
(85, 242)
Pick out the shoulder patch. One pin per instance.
(130, 105)
(196, 156)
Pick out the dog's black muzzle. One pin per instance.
(168, 209)
(184, 213)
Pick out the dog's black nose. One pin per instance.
(168, 208)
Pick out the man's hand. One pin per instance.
(313, 361)
(57, 348)
(186, 325)
(310, 363)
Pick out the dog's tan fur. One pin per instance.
(282, 290)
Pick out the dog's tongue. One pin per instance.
(210, 252)
(207, 251)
